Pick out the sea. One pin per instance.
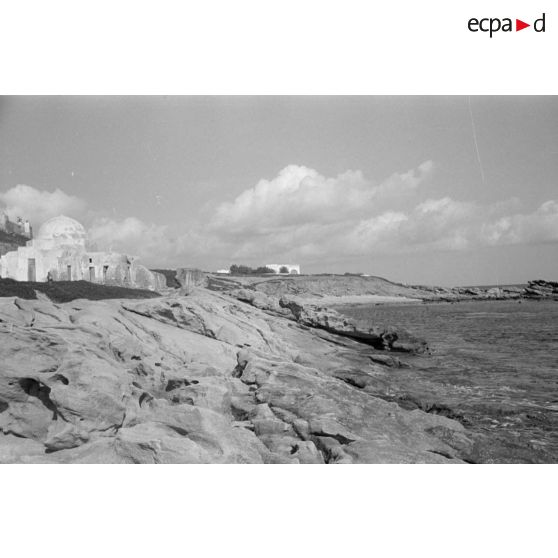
(493, 366)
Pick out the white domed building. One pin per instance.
(59, 252)
(61, 231)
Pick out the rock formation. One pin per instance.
(542, 289)
(314, 287)
(203, 378)
(188, 278)
(391, 339)
(322, 317)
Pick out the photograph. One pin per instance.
(267, 269)
(278, 279)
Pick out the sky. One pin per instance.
(445, 190)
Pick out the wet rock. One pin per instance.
(391, 338)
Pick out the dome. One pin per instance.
(63, 230)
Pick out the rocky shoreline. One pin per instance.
(338, 289)
(535, 289)
(201, 376)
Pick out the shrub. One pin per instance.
(260, 270)
(246, 270)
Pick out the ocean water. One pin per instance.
(494, 367)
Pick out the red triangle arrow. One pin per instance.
(519, 25)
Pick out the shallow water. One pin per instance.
(494, 366)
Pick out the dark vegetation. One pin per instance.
(170, 276)
(246, 270)
(66, 291)
(10, 241)
(13, 238)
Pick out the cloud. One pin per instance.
(302, 215)
(540, 226)
(400, 184)
(37, 205)
(441, 224)
(131, 236)
(299, 195)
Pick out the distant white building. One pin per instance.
(293, 269)
(227, 271)
(23, 228)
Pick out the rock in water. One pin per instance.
(391, 339)
(542, 289)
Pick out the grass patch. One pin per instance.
(66, 291)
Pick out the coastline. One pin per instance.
(340, 300)
(240, 372)
(203, 378)
(491, 365)
(340, 290)
(385, 300)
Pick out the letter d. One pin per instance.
(536, 24)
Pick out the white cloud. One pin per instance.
(299, 195)
(37, 206)
(400, 184)
(302, 215)
(540, 226)
(131, 236)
